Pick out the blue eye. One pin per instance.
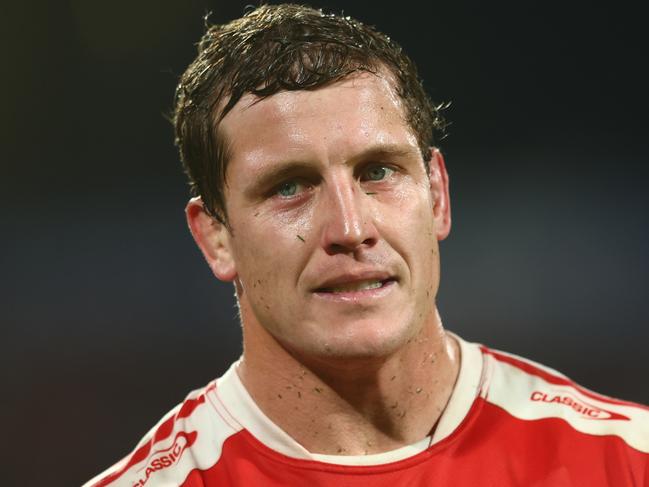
(378, 173)
(289, 188)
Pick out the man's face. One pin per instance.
(333, 219)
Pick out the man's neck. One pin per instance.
(357, 409)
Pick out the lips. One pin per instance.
(355, 286)
(355, 283)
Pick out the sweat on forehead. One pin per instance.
(301, 125)
(285, 101)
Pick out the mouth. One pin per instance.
(356, 287)
(362, 292)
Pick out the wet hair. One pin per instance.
(275, 48)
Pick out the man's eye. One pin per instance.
(289, 188)
(377, 173)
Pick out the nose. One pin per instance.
(348, 224)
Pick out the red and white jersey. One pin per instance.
(509, 422)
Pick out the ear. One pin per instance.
(213, 238)
(441, 197)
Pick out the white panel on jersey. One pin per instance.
(530, 397)
(173, 458)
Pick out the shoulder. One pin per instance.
(189, 436)
(530, 391)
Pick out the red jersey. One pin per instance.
(509, 422)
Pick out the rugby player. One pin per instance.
(319, 191)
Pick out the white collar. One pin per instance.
(235, 399)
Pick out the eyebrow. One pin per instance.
(281, 170)
(385, 151)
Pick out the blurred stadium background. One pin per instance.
(108, 314)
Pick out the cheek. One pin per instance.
(262, 278)
(410, 212)
(256, 262)
(268, 253)
(410, 230)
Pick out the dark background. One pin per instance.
(110, 316)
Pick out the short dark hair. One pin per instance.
(275, 48)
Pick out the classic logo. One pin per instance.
(167, 457)
(586, 410)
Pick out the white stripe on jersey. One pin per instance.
(530, 397)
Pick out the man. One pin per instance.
(319, 193)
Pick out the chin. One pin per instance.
(358, 341)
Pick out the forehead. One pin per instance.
(332, 121)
